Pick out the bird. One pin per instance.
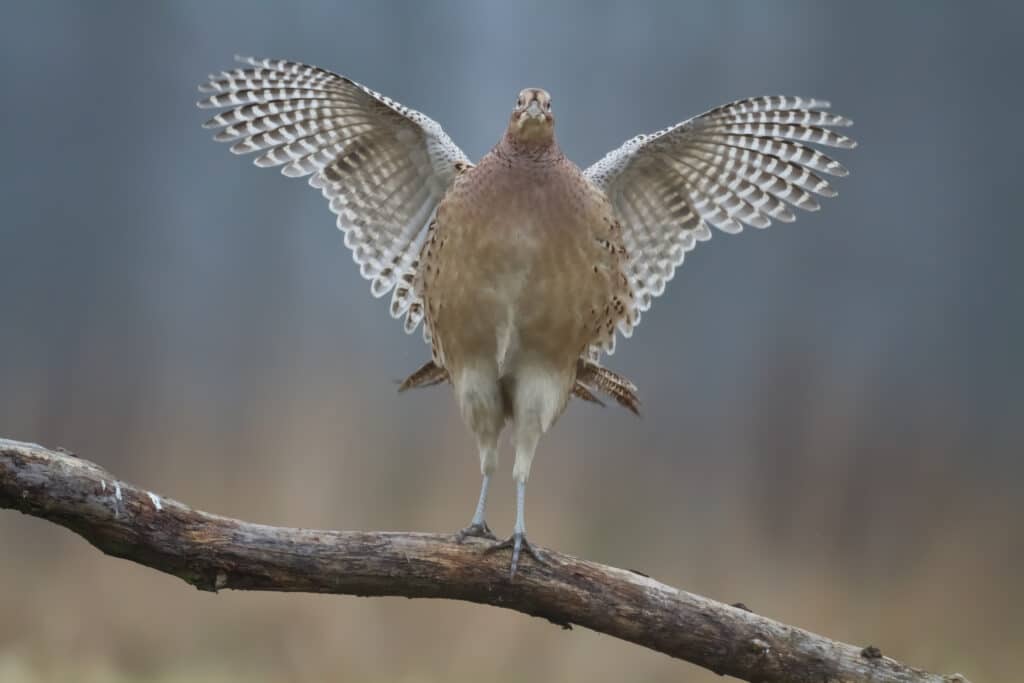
(522, 269)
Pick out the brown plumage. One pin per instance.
(523, 269)
(521, 273)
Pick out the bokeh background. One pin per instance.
(833, 409)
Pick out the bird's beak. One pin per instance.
(533, 114)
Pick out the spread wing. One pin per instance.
(744, 163)
(383, 167)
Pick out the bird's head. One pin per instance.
(532, 121)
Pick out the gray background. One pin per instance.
(832, 423)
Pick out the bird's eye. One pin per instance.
(547, 105)
(519, 102)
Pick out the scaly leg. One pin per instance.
(479, 398)
(536, 406)
(517, 541)
(478, 526)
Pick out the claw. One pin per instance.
(518, 543)
(476, 530)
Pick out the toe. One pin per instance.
(517, 546)
(476, 530)
(537, 555)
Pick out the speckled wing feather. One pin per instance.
(744, 163)
(383, 167)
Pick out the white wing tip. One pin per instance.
(730, 226)
(379, 287)
(824, 189)
(293, 170)
(843, 142)
(837, 169)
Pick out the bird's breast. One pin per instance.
(517, 269)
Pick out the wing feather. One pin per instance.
(744, 163)
(382, 167)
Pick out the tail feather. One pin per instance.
(427, 376)
(592, 376)
(581, 391)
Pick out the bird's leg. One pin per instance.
(517, 541)
(528, 430)
(478, 526)
(488, 463)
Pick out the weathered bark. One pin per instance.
(213, 553)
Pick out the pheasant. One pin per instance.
(522, 269)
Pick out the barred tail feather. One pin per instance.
(591, 377)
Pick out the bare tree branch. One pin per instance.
(213, 553)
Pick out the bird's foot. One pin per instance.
(517, 541)
(476, 530)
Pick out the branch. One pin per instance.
(213, 553)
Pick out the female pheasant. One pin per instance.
(522, 268)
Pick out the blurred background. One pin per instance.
(833, 409)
